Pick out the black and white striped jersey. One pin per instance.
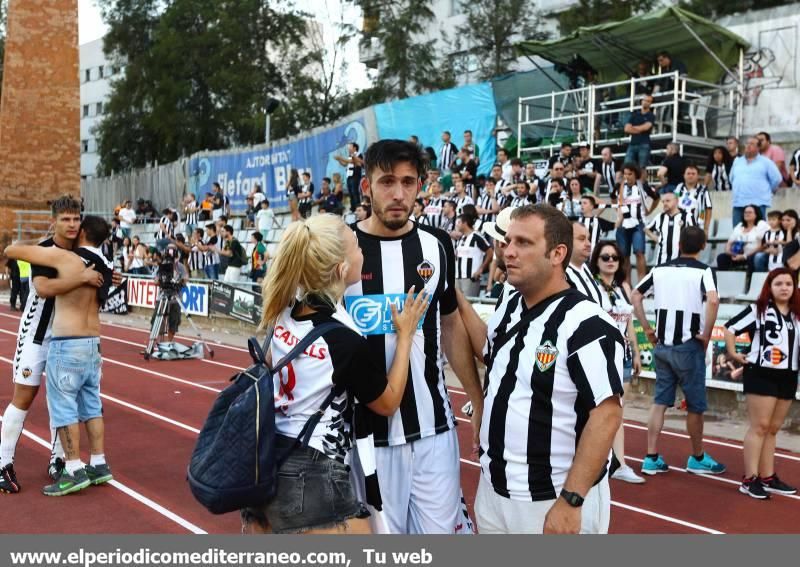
(669, 229)
(433, 210)
(571, 207)
(633, 205)
(518, 201)
(338, 359)
(608, 176)
(595, 227)
(461, 201)
(423, 257)
(197, 259)
(720, 173)
(774, 260)
(37, 318)
(447, 156)
(485, 202)
(583, 280)
(697, 201)
(542, 382)
(190, 210)
(165, 228)
(679, 290)
(773, 337)
(212, 256)
(795, 161)
(470, 251)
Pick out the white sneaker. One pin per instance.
(626, 474)
(467, 409)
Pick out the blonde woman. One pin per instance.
(338, 186)
(316, 260)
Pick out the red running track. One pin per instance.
(153, 411)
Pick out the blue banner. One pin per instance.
(470, 107)
(238, 173)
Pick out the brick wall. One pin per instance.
(40, 108)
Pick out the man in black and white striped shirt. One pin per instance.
(686, 301)
(553, 387)
(695, 197)
(665, 228)
(447, 154)
(473, 255)
(434, 205)
(578, 273)
(416, 451)
(607, 175)
(487, 205)
(595, 226)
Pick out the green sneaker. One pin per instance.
(99, 474)
(68, 483)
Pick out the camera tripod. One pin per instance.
(158, 328)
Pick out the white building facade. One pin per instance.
(96, 73)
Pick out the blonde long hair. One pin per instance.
(310, 260)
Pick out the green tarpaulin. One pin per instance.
(615, 48)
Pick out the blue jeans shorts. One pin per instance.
(683, 365)
(638, 154)
(631, 238)
(627, 370)
(313, 492)
(74, 369)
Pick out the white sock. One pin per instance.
(73, 466)
(56, 449)
(95, 460)
(13, 421)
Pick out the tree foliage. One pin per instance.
(493, 27)
(409, 65)
(591, 12)
(197, 75)
(717, 8)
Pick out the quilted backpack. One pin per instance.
(235, 462)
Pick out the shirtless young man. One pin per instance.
(73, 359)
(33, 341)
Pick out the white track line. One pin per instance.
(709, 441)
(713, 477)
(666, 518)
(139, 345)
(184, 523)
(639, 510)
(669, 433)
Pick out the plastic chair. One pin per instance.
(756, 283)
(731, 284)
(698, 110)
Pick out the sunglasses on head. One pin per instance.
(609, 258)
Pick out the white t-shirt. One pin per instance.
(127, 217)
(750, 240)
(264, 220)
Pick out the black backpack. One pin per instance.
(235, 462)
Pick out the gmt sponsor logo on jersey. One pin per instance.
(372, 314)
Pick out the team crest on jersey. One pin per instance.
(546, 356)
(425, 270)
(774, 356)
(26, 372)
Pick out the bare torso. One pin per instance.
(77, 312)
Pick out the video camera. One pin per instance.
(167, 281)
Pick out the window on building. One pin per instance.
(87, 75)
(115, 70)
(100, 72)
(99, 108)
(85, 110)
(84, 146)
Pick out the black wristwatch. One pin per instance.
(573, 498)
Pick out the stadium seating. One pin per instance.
(731, 284)
(756, 283)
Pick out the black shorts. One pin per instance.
(173, 317)
(781, 384)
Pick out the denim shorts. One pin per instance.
(313, 492)
(628, 238)
(74, 369)
(627, 370)
(683, 365)
(638, 154)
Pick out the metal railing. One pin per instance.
(595, 114)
